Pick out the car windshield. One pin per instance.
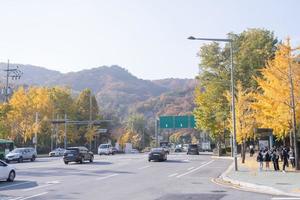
(71, 151)
(17, 151)
(104, 146)
(156, 150)
(193, 146)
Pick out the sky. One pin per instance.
(147, 37)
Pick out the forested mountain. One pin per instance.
(118, 92)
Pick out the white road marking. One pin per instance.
(285, 198)
(191, 171)
(105, 177)
(16, 198)
(145, 167)
(171, 175)
(7, 186)
(41, 186)
(36, 195)
(191, 168)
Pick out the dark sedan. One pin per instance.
(193, 149)
(157, 154)
(77, 154)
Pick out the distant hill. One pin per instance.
(118, 92)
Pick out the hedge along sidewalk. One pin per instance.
(267, 181)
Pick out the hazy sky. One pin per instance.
(147, 37)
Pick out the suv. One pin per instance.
(20, 154)
(105, 149)
(193, 149)
(77, 154)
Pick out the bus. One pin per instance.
(5, 147)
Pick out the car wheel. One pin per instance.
(92, 159)
(11, 176)
(7, 161)
(81, 160)
(149, 160)
(66, 162)
(20, 160)
(33, 158)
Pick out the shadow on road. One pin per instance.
(17, 185)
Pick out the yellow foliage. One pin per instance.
(273, 106)
(245, 116)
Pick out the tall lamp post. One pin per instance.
(232, 91)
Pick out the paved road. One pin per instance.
(128, 177)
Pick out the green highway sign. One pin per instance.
(181, 121)
(177, 122)
(166, 122)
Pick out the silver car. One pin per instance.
(20, 154)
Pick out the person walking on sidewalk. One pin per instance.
(267, 157)
(275, 159)
(292, 157)
(260, 159)
(285, 158)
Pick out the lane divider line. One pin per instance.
(145, 167)
(41, 186)
(171, 175)
(36, 195)
(109, 176)
(191, 168)
(191, 171)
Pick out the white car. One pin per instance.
(20, 154)
(57, 152)
(7, 172)
(105, 149)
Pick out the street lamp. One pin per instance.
(232, 91)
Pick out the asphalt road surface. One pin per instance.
(123, 177)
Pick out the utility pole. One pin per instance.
(156, 132)
(293, 115)
(35, 136)
(90, 118)
(65, 134)
(15, 74)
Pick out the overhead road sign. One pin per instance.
(176, 122)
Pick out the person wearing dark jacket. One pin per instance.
(285, 158)
(267, 159)
(260, 159)
(275, 159)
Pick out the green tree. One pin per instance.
(251, 49)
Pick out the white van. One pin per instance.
(105, 149)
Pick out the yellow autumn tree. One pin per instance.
(245, 117)
(24, 105)
(273, 101)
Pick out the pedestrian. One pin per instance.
(251, 150)
(260, 159)
(267, 159)
(275, 159)
(292, 157)
(285, 157)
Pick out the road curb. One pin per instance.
(251, 186)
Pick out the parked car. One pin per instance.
(77, 154)
(20, 154)
(157, 154)
(178, 149)
(7, 172)
(193, 149)
(57, 152)
(105, 149)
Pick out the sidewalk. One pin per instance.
(249, 177)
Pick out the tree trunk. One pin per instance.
(243, 153)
